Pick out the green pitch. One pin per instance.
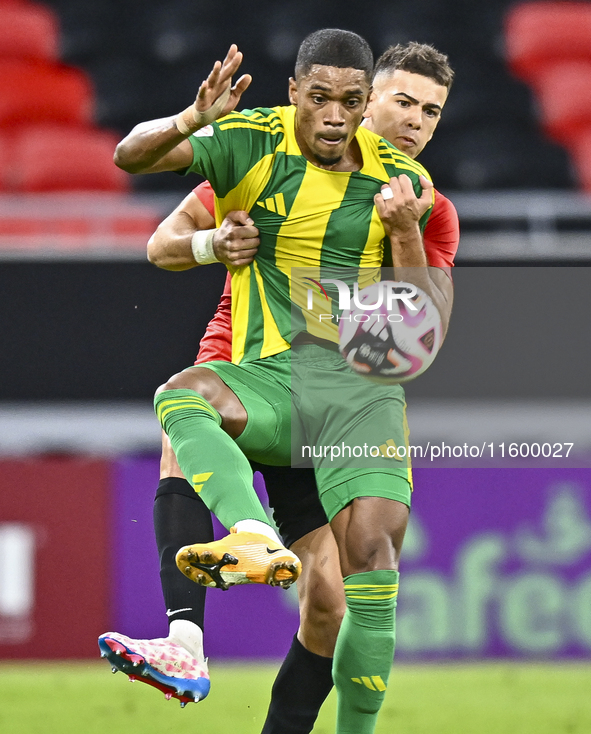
(84, 698)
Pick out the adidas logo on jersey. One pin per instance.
(275, 204)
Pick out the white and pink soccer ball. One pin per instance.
(391, 342)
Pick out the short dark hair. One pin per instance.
(334, 47)
(417, 58)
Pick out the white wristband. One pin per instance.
(191, 119)
(182, 126)
(202, 246)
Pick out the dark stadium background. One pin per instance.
(107, 331)
(147, 59)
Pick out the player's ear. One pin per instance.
(293, 91)
(368, 98)
(370, 103)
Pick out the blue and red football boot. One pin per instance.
(161, 663)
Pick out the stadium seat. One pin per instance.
(4, 161)
(28, 31)
(63, 158)
(35, 92)
(581, 156)
(564, 96)
(538, 34)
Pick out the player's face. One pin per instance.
(330, 104)
(405, 109)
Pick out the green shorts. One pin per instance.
(353, 431)
(329, 406)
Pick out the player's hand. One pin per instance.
(237, 240)
(217, 92)
(400, 209)
(216, 96)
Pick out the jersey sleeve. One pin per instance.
(216, 344)
(205, 194)
(442, 233)
(397, 163)
(225, 151)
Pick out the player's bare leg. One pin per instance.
(320, 591)
(169, 466)
(201, 416)
(369, 534)
(214, 390)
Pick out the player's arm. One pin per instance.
(170, 245)
(162, 145)
(400, 212)
(441, 235)
(188, 237)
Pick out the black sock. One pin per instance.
(301, 687)
(180, 518)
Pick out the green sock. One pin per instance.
(365, 649)
(208, 457)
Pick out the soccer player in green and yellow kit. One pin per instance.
(311, 181)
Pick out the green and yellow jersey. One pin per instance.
(307, 217)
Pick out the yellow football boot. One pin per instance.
(239, 558)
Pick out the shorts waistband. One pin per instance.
(305, 338)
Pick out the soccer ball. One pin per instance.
(384, 338)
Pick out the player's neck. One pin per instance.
(368, 125)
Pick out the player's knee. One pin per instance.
(370, 552)
(323, 605)
(176, 382)
(320, 621)
(189, 379)
(325, 617)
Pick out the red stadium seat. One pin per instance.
(5, 148)
(581, 156)
(538, 34)
(63, 158)
(564, 96)
(37, 92)
(28, 31)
